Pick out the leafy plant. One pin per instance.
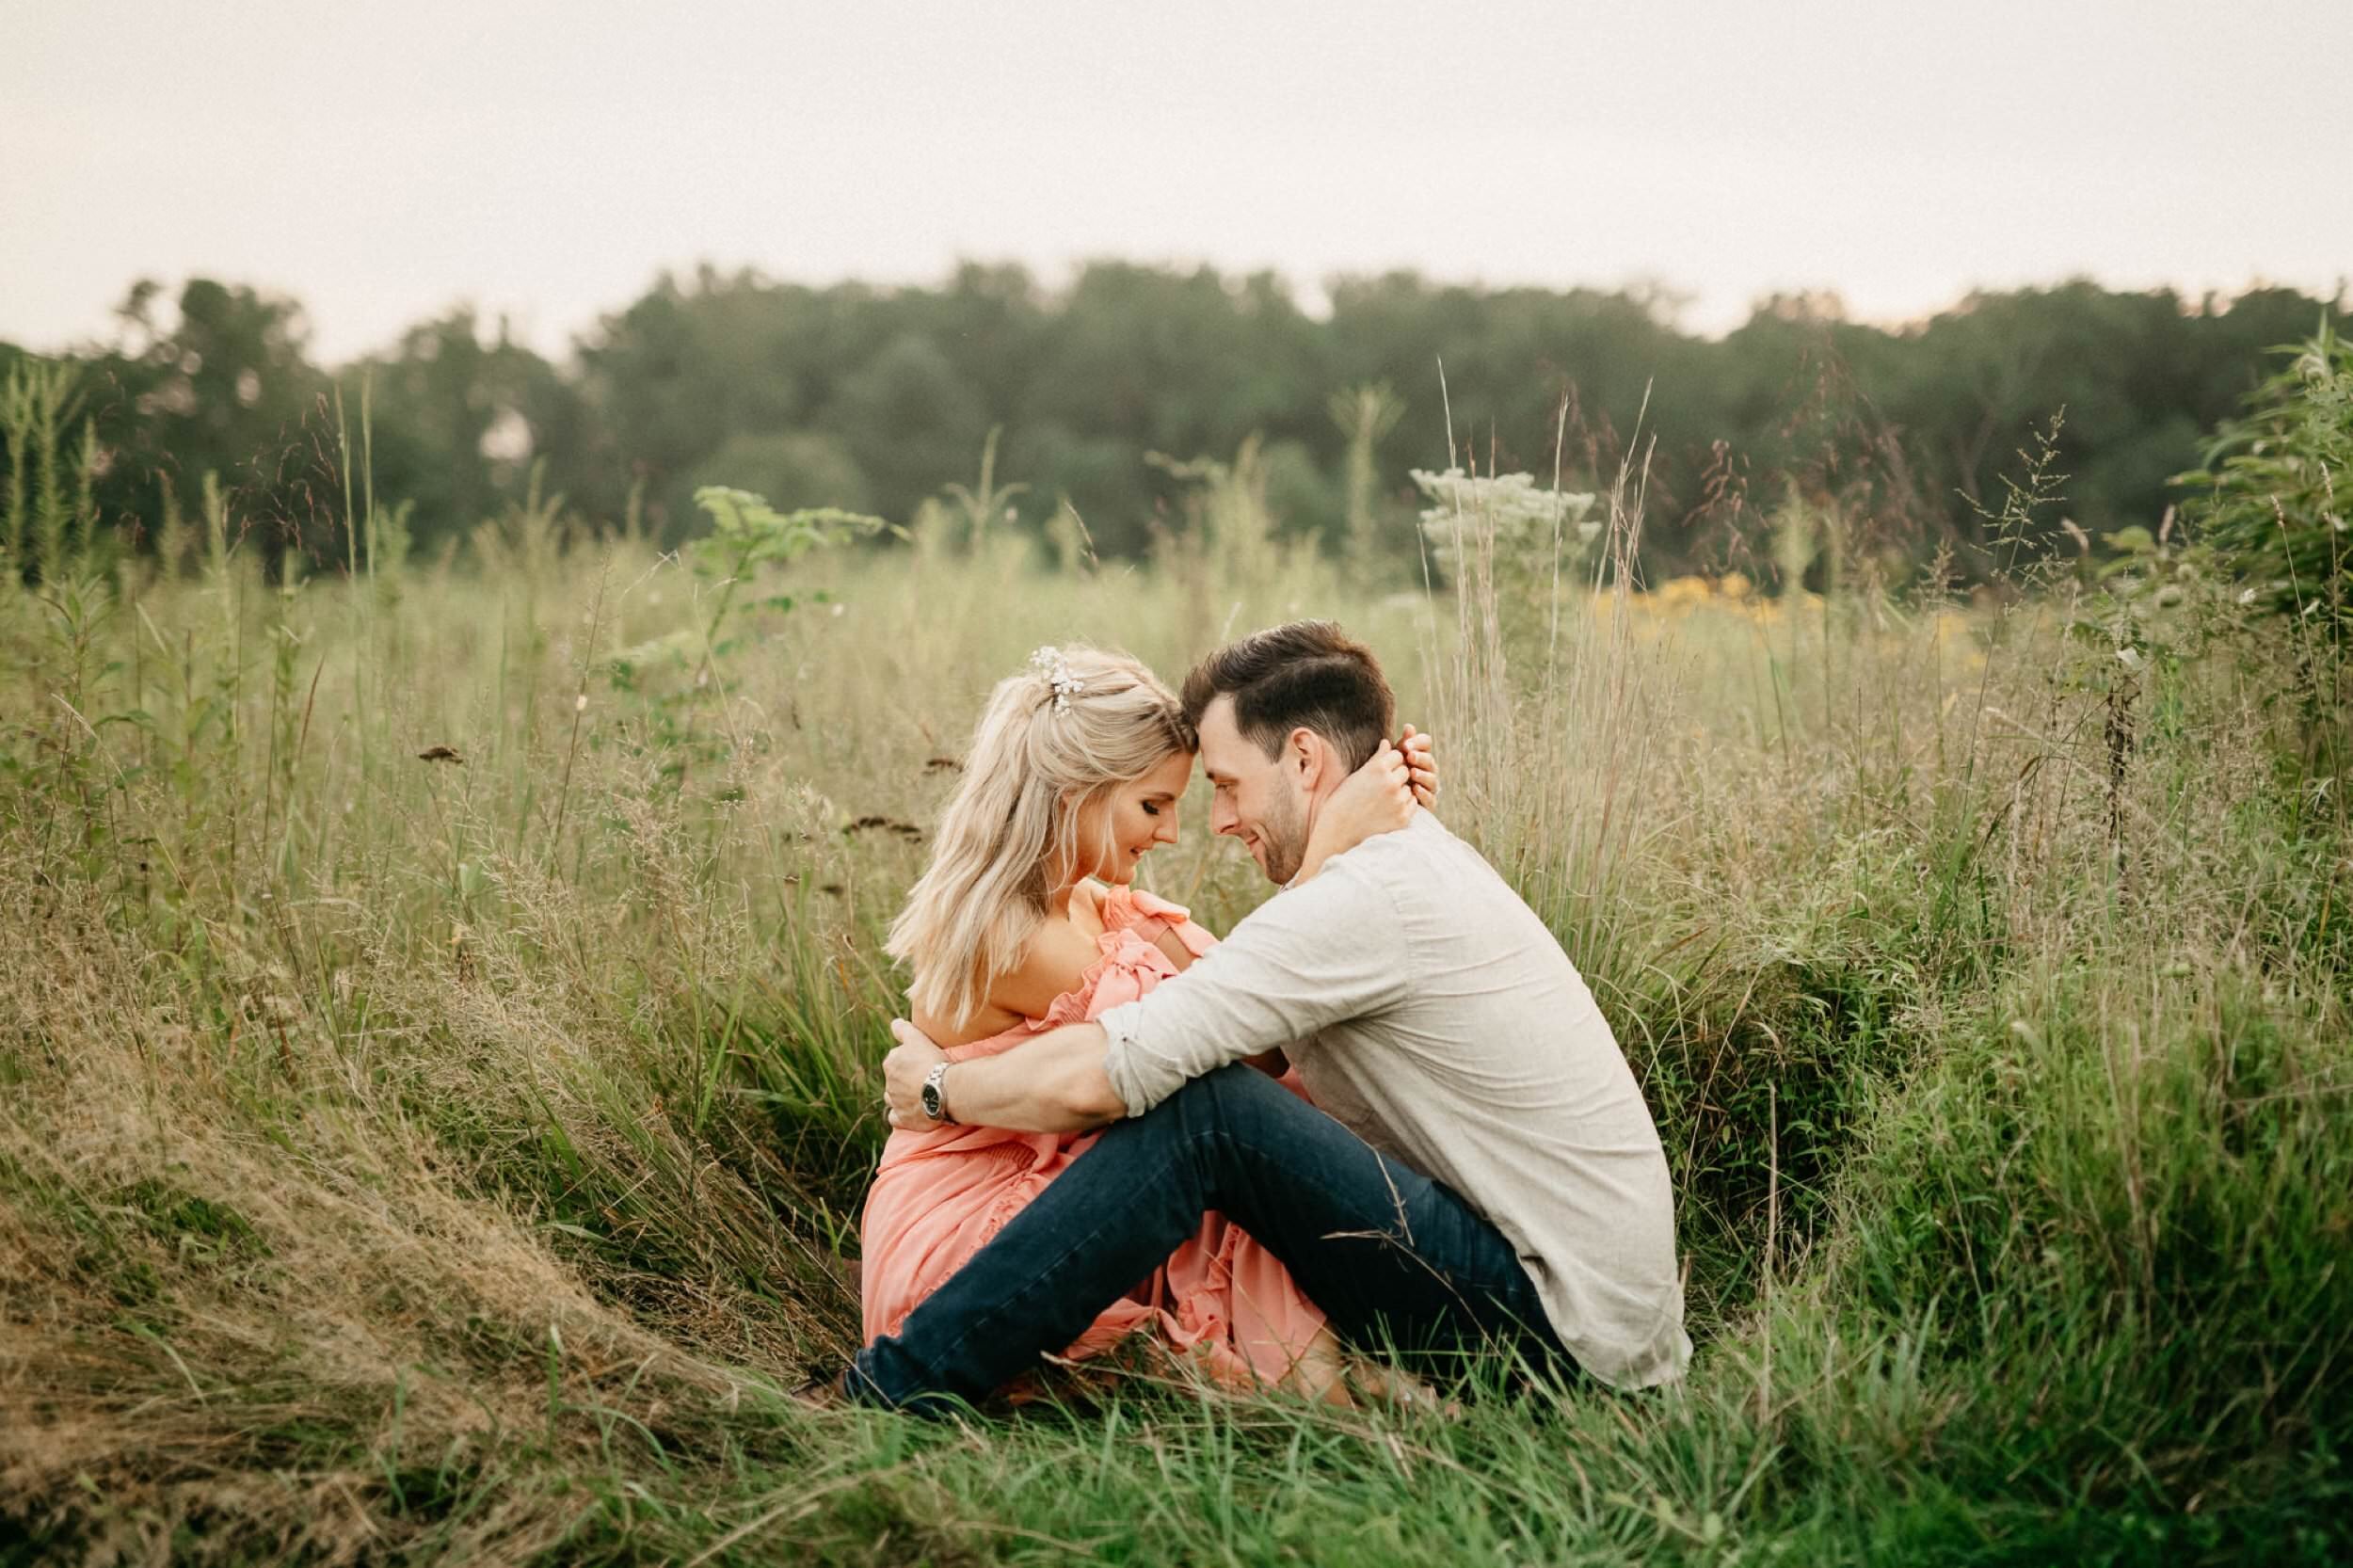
(48, 516)
(2275, 497)
(1503, 540)
(746, 534)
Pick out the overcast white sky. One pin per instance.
(382, 162)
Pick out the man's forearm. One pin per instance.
(1054, 1083)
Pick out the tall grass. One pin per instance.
(438, 1037)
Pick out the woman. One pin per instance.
(1026, 919)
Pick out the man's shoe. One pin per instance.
(823, 1393)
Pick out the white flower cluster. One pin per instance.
(1049, 662)
(1522, 523)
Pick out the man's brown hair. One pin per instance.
(1307, 674)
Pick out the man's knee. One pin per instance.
(1231, 1100)
(1235, 1096)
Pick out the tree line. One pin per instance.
(873, 398)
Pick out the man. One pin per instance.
(1482, 1167)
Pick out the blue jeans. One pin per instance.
(1389, 1255)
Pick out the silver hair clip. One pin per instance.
(1048, 661)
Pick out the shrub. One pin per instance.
(2275, 498)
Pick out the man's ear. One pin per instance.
(1308, 754)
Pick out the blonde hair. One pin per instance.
(1071, 728)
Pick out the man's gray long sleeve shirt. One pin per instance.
(1430, 1010)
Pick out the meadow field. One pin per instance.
(440, 1008)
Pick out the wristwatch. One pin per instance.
(935, 1101)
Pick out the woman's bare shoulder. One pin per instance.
(1053, 963)
(1091, 906)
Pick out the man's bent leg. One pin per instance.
(1378, 1245)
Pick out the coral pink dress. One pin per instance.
(941, 1194)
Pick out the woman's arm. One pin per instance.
(1376, 798)
(1173, 947)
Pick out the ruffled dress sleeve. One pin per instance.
(1149, 914)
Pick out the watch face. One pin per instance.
(930, 1099)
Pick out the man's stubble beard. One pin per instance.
(1284, 835)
